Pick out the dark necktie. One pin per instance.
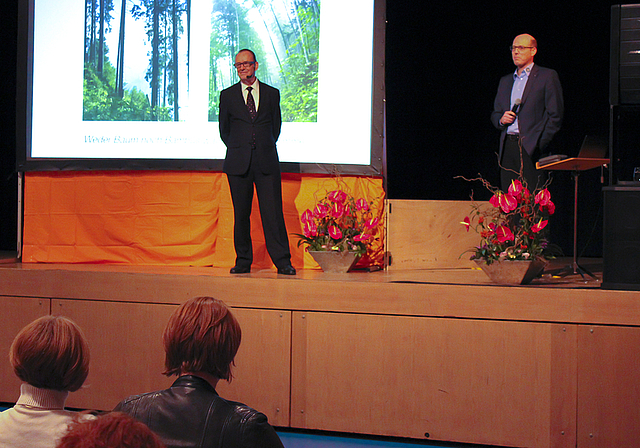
(251, 105)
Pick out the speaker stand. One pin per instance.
(575, 268)
(575, 165)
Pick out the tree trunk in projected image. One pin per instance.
(120, 61)
(155, 58)
(174, 54)
(105, 95)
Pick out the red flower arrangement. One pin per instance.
(511, 228)
(338, 222)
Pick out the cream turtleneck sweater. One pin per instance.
(37, 420)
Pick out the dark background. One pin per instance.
(443, 63)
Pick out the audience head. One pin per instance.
(51, 353)
(112, 430)
(201, 336)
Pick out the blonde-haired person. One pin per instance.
(51, 357)
(201, 340)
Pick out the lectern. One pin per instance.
(575, 165)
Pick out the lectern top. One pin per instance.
(574, 164)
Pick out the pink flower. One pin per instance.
(310, 229)
(543, 197)
(466, 222)
(307, 216)
(538, 227)
(337, 196)
(515, 188)
(337, 210)
(320, 211)
(335, 232)
(361, 237)
(362, 205)
(371, 223)
(503, 234)
(551, 207)
(507, 202)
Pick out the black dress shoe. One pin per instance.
(239, 270)
(287, 270)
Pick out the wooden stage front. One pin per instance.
(441, 354)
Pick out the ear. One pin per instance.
(534, 50)
(256, 65)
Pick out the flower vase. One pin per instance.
(512, 272)
(335, 261)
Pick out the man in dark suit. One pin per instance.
(528, 109)
(250, 124)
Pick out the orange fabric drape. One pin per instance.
(163, 217)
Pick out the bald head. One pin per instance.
(531, 41)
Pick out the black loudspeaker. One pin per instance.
(621, 242)
(625, 143)
(624, 85)
(624, 92)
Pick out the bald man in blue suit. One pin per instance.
(528, 110)
(252, 159)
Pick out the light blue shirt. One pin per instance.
(519, 83)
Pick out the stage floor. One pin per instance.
(557, 274)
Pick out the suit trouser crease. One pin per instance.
(269, 190)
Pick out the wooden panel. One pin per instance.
(127, 356)
(608, 387)
(263, 364)
(126, 349)
(488, 382)
(428, 234)
(16, 313)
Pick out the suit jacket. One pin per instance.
(191, 414)
(237, 128)
(540, 113)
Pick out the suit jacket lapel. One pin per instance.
(533, 76)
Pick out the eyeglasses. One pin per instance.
(243, 64)
(518, 48)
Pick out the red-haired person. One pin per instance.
(200, 341)
(51, 357)
(112, 430)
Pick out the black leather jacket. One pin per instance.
(191, 414)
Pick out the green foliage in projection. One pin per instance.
(100, 103)
(230, 33)
(300, 70)
(106, 97)
(292, 42)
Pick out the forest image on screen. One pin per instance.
(137, 55)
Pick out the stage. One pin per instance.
(35, 278)
(307, 290)
(429, 354)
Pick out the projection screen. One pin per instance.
(135, 84)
